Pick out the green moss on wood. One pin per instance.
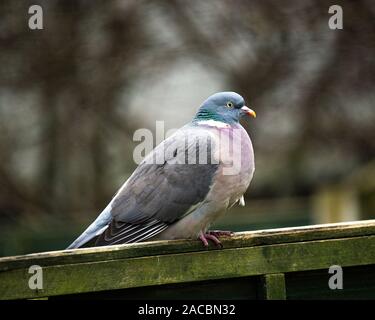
(261, 253)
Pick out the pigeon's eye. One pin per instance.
(230, 105)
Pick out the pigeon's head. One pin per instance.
(226, 107)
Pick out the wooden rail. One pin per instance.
(287, 263)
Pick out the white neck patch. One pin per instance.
(214, 123)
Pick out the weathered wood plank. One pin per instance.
(240, 240)
(190, 266)
(272, 286)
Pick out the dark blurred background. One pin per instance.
(72, 95)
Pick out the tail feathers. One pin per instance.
(85, 238)
(96, 228)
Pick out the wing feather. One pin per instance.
(157, 195)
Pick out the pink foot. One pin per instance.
(220, 233)
(204, 237)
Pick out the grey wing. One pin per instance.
(157, 195)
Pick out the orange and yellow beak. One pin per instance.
(249, 111)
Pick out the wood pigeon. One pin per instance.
(185, 183)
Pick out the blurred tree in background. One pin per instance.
(72, 94)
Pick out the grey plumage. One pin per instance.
(177, 197)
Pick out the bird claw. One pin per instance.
(213, 236)
(206, 236)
